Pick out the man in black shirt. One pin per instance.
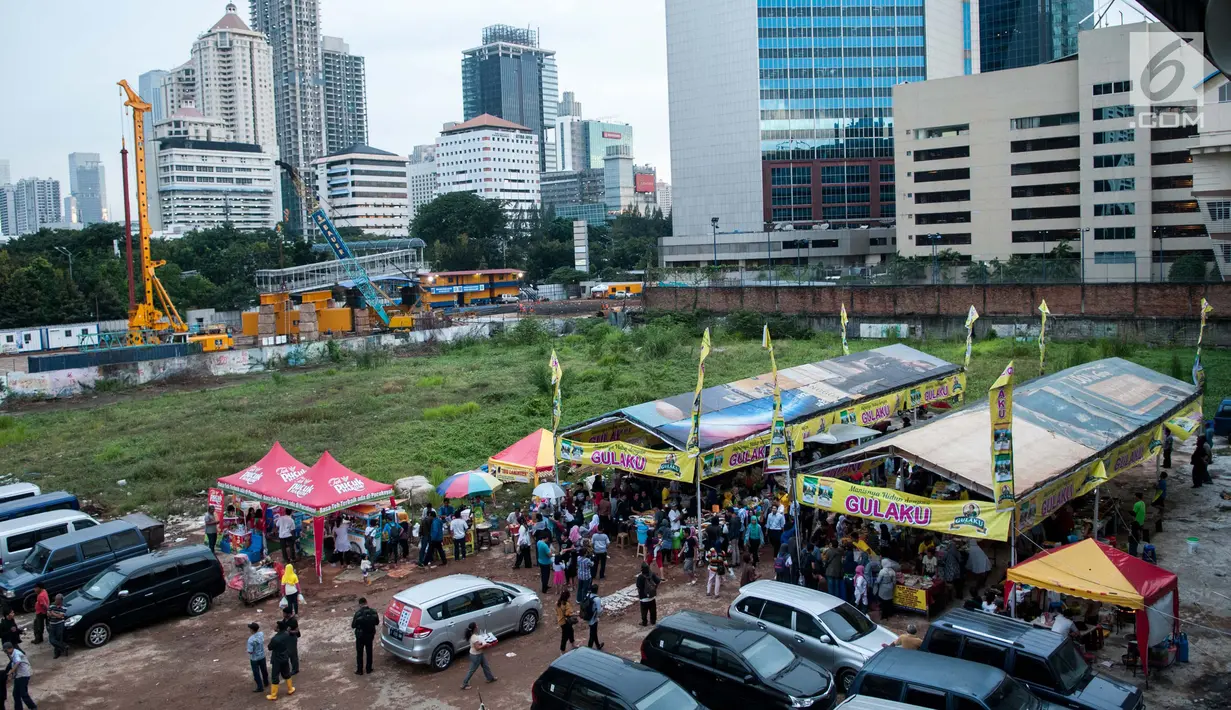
(364, 623)
(281, 646)
(56, 614)
(292, 628)
(9, 630)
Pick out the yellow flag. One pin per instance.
(971, 317)
(1043, 337)
(1198, 370)
(778, 458)
(694, 434)
(556, 373)
(1000, 401)
(845, 349)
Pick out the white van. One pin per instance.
(20, 535)
(15, 491)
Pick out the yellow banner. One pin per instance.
(513, 474)
(1043, 313)
(845, 350)
(1186, 422)
(1133, 452)
(1000, 397)
(1047, 500)
(968, 518)
(671, 465)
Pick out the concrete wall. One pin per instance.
(1142, 312)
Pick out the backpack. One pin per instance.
(587, 608)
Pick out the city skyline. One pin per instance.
(406, 103)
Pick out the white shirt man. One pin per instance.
(458, 528)
(1062, 625)
(286, 526)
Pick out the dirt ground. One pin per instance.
(200, 663)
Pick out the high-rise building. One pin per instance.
(511, 77)
(204, 178)
(1012, 164)
(70, 213)
(8, 211)
(1022, 33)
(421, 177)
(179, 87)
(366, 188)
(345, 95)
(5, 177)
(293, 28)
(234, 80)
(87, 185)
(35, 204)
(569, 106)
(582, 144)
(663, 188)
(781, 113)
(149, 87)
(493, 158)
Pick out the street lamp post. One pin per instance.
(1082, 251)
(70, 255)
(714, 224)
(935, 257)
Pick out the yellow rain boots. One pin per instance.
(273, 692)
(290, 689)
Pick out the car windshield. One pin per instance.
(1012, 696)
(1070, 666)
(36, 560)
(768, 657)
(102, 585)
(847, 623)
(667, 696)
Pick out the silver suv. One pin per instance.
(815, 625)
(427, 622)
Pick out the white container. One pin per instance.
(1193, 544)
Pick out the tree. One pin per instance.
(1188, 268)
(550, 249)
(567, 275)
(464, 231)
(906, 269)
(976, 273)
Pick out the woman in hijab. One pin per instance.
(290, 589)
(861, 590)
(1201, 462)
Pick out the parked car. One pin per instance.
(727, 663)
(427, 622)
(863, 702)
(29, 505)
(1047, 663)
(143, 589)
(16, 491)
(585, 678)
(932, 681)
(1222, 420)
(65, 563)
(20, 535)
(818, 626)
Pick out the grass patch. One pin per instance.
(451, 411)
(12, 431)
(430, 381)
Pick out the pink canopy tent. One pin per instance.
(326, 487)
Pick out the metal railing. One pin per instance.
(404, 262)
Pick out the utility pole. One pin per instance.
(935, 257)
(1082, 270)
(714, 224)
(69, 254)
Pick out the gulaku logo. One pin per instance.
(669, 466)
(969, 518)
(1006, 493)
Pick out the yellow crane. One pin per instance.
(147, 324)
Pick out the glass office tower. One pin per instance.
(1023, 33)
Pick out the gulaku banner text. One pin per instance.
(671, 465)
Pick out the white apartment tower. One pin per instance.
(493, 158)
(366, 188)
(235, 81)
(35, 204)
(421, 177)
(344, 92)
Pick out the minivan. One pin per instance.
(1046, 662)
(20, 535)
(17, 491)
(727, 663)
(585, 678)
(931, 681)
(29, 505)
(143, 589)
(66, 562)
(818, 626)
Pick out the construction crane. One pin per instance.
(147, 323)
(372, 296)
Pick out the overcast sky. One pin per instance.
(65, 57)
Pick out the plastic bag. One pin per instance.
(301, 599)
(282, 603)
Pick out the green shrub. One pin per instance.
(373, 358)
(430, 381)
(279, 378)
(1177, 368)
(1115, 348)
(451, 411)
(334, 352)
(528, 331)
(107, 384)
(1078, 354)
(540, 377)
(12, 430)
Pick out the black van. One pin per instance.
(65, 562)
(930, 681)
(1047, 663)
(585, 678)
(142, 589)
(727, 663)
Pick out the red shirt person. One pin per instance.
(41, 602)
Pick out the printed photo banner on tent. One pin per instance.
(1187, 421)
(1037, 506)
(1000, 397)
(671, 465)
(967, 518)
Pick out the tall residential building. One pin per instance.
(179, 87)
(663, 189)
(293, 28)
(366, 188)
(5, 176)
(35, 204)
(345, 95)
(421, 177)
(582, 144)
(8, 211)
(781, 113)
(493, 158)
(70, 213)
(87, 184)
(1013, 163)
(511, 77)
(569, 106)
(1022, 33)
(205, 178)
(235, 82)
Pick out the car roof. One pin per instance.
(954, 674)
(442, 587)
(8, 488)
(171, 554)
(735, 634)
(100, 530)
(810, 600)
(1019, 634)
(630, 680)
(864, 702)
(27, 522)
(33, 501)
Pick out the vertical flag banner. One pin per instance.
(845, 350)
(778, 459)
(556, 373)
(1043, 337)
(1198, 370)
(694, 434)
(1001, 408)
(971, 317)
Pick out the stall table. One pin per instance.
(918, 595)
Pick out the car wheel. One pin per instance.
(198, 604)
(97, 635)
(529, 622)
(846, 679)
(442, 657)
(29, 602)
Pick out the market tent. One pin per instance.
(266, 477)
(526, 459)
(1092, 570)
(841, 434)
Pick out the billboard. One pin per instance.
(644, 182)
(613, 135)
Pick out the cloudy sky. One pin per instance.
(65, 57)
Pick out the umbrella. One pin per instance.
(550, 491)
(468, 483)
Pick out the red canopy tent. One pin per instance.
(1092, 570)
(326, 487)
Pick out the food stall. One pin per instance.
(526, 460)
